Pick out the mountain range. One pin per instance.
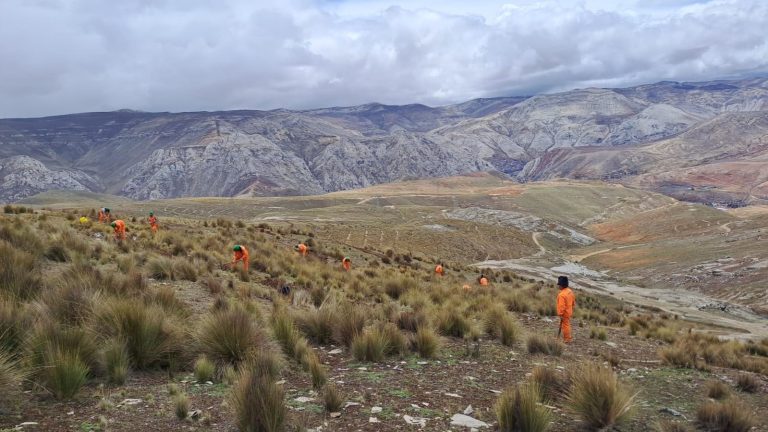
(704, 141)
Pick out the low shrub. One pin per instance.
(350, 321)
(545, 345)
(747, 383)
(598, 398)
(426, 342)
(229, 336)
(332, 399)
(717, 390)
(181, 405)
(519, 410)
(116, 361)
(551, 383)
(728, 416)
(317, 324)
(258, 403)
(451, 322)
(204, 369)
(371, 345)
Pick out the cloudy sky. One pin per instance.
(63, 56)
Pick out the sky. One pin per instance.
(66, 56)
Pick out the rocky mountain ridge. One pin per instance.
(621, 134)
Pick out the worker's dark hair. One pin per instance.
(562, 281)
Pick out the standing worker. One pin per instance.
(565, 302)
(303, 249)
(152, 222)
(483, 280)
(241, 254)
(346, 263)
(119, 227)
(439, 270)
(104, 215)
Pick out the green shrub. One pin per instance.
(598, 398)
(332, 399)
(287, 335)
(229, 336)
(150, 337)
(181, 405)
(371, 345)
(518, 410)
(728, 416)
(426, 342)
(64, 373)
(258, 403)
(204, 369)
(13, 322)
(19, 274)
(411, 320)
(116, 361)
(544, 345)
(316, 370)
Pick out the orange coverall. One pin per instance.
(119, 230)
(484, 281)
(241, 255)
(103, 216)
(346, 264)
(565, 302)
(153, 223)
(439, 270)
(303, 249)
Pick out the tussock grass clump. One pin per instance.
(371, 345)
(426, 342)
(67, 303)
(19, 275)
(545, 345)
(50, 342)
(747, 383)
(150, 337)
(287, 335)
(598, 333)
(598, 398)
(679, 355)
(317, 324)
(56, 252)
(671, 426)
(184, 270)
(551, 383)
(501, 325)
(214, 285)
(450, 322)
(65, 373)
(116, 361)
(412, 320)
(518, 410)
(332, 399)
(728, 416)
(181, 405)
(11, 377)
(316, 370)
(13, 322)
(717, 390)
(204, 369)
(350, 321)
(228, 336)
(258, 402)
(394, 288)
(160, 268)
(397, 343)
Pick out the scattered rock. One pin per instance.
(467, 421)
(27, 425)
(373, 420)
(130, 402)
(303, 399)
(196, 414)
(668, 410)
(421, 421)
(335, 414)
(350, 404)
(376, 410)
(336, 351)
(469, 410)
(611, 344)
(453, 395)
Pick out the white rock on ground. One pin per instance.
(422, 422)
(467, 421)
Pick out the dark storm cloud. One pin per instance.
(176, 55)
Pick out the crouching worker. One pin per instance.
(565, 302)
(240, 254)
(104, 215)
(483, 281)
(346, 264)
(303, 249)
(439, 270)
(119, 227)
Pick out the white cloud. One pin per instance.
(175, 55)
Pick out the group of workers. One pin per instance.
(565, 298)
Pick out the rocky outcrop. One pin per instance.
(23, 176)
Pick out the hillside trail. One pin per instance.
(739, 324)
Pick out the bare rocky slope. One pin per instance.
(642, 135)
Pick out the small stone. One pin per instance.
(350, 404)
(71, 413)
(195, 414)
(421, 421)
(495, 391)
(27, 424)
(668, 410)
(336, 351)
(469, 410)
(422, 363)
(611, 344)
(130, 402)
(631, 370)
(376, 410)
(209, 383)
(303, 399)
(335, 414)
(373, 420)
(467, 421)
(281, 382)
(453, 395)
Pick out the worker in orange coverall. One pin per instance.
(565, 303)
